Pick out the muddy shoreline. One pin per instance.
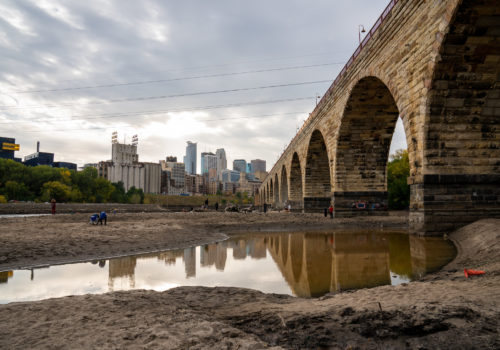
(443, 310)
(29, 242)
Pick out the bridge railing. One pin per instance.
(356, 53)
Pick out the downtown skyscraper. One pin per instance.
(221, 162)
(190, 158)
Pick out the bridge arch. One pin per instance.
(296, 252)
(276, 191)
(296, 193)
(283, 185)
(363, 144)
(271, 191)
(317, 184)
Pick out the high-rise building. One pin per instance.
(221, 161)
(258, 165)
(230, 175)
(175, 177)
(208, 161)
(240, 165)
(190, 183)
(212, 174)
(189, 258)
(190, 158)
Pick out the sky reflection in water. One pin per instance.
(300, 264)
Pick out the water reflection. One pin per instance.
(301, 264)
(315, 264)
(5, 275)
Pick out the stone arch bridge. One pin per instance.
(435, 64)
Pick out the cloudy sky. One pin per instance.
(242, 75)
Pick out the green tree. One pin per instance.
(84, 182)
(54, 189)
(135, 195)
(76, 195)
(118, 195)
(398, 170)
(17, 191)
(11, 171)
(37, 176)
(102, 190)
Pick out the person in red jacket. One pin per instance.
(53, 206)
(330, 210)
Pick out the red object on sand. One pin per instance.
(468, 272)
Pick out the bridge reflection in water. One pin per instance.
(315, 264)
(308, 264)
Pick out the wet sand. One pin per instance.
(443, 310)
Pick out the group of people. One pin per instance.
(205, 206)
(97, 219)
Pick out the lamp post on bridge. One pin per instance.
(361, 29)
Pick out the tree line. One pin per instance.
(42, 183)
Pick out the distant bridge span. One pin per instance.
(437, 65)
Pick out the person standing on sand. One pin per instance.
(330, 210)
(53, 206)
(206, 203)
(216, 206)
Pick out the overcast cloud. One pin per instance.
(59, 58)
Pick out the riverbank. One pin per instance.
(72, 208)
(443, 310)
(63, 238)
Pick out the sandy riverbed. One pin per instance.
(444, 310)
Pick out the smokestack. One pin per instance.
(37, 146)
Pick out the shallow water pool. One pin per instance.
(299, 264)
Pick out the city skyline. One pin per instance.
(71, 94)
